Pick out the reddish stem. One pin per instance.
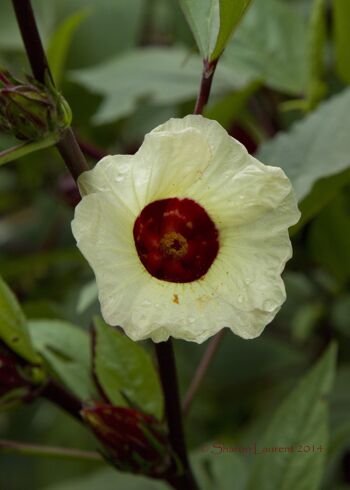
(209, 68)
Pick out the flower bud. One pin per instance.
(134, 441)
(30, 110)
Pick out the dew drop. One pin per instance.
(269, 305)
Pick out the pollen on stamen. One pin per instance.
(176, 240)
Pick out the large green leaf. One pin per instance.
(301, 423)
(215, 468)
(213, 22)
(341, 16)
(67, 351)
(310, 150)
(13, 325)
(162, 75)
(125, 371)
(110, 479)
(270, 45)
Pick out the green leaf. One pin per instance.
(316, 54)
(124, 368)
(227, 109)
(87, 296)
(161, 75)
(340, 314)
(219, 470)
(110, 479)
(269, 45)
(13, 325)
(231, 13)
(60, 42)
(322, 193)
(329, 239)
(341, 15)
(300, 421)
(67, 351)
(10, 40)
(213, 22)
(112, 27)
(310, 150)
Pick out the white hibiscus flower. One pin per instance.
(187, 236)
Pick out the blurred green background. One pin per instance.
(124, 67)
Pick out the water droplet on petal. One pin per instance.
(269, 305)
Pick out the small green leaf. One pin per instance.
(231, 13)
(227, 109)
(67, 351)
(329, 238)
(341, 16)
(300, 422)
(87, 296)
(60, 42)
(316, 54)
(309, 151)
(213, 22)
(124, 368)
(13, 325)
(322, 193)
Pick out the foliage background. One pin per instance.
(125, 67)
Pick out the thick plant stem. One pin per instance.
(7, 446)
(67, 146)
(55, 393)
(209, 68)
(71, 153)
(168, 377)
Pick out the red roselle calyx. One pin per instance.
(133, 441)
(29, 110)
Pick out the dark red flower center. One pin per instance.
(176, 240)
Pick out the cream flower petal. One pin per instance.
(251, 204)
(166, 165)
(245, 195)
(102, 229)
(112, 174)
(228, 155)
(187, 311)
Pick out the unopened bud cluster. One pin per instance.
(134, 441)
(31, 111)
